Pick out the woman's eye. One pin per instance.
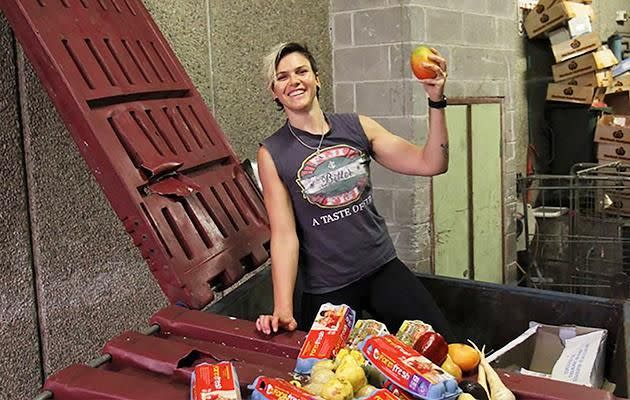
(281, 77)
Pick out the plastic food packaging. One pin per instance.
(214, 381)
(329, 333)
(409, 370)
(265, 388)
(410, 331)
(364, 328)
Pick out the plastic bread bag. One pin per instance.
(364, 328)
(215, 381)
(411, 330)
(328, 334)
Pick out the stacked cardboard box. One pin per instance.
(612, 134)
(583, 68)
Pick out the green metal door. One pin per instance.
(467, 200)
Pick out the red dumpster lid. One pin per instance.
(148, 138)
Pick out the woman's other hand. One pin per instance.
(272, 323)
(435, 86)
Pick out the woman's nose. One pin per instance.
(293, 79)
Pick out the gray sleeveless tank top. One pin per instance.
(342, 236)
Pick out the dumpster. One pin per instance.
(157, 363)
(198, 220)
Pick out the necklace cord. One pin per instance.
(317, 149)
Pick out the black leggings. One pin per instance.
(390, 295)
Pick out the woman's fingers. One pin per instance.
(274, 324)
(439, 72)
(263, 324)
(269, 323)
(437, 58)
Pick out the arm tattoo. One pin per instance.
(444, 147)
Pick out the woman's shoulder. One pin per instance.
(278, 136)
(351, 118)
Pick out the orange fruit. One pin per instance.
(464, 356)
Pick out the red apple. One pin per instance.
(419, 56)
(433, 346)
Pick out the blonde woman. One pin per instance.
(315, 173)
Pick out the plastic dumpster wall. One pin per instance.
(487, 313)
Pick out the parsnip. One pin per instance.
(481, 373)
(498, 390)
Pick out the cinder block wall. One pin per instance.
(372, 41)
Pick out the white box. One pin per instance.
(580, 25)
(569, 353)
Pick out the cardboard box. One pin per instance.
(559, 35)
(602, 78)
(615, 203)
(583, 64)
(576, 47)
(622, 67)
(544, 19)
(613, 129)
(543, 5)
(613, 151)
(570, 93)
(619, 100)
(567, 353)
(621, 80)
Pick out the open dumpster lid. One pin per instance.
(149, 139)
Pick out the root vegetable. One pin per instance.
(498, 390)
(481, 373)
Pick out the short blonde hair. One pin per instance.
(270, 64)
(271, 60)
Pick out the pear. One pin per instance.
(365, 391)
(347, 361)
(350, 371)
(321, 375)
(343, 353)
(324, 364)
(314, 388)
(358, 356)
(336, 389)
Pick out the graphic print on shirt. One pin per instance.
(335, 177)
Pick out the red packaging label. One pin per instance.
(329, 333)
(278, 389)
(403, 365)
(214, 381)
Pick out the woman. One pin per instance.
(315, 176)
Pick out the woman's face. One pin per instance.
(296, 83)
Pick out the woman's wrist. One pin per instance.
(437, 104)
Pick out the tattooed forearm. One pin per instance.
(444, 147)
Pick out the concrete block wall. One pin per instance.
(372, 40)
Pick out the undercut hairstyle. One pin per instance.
(277, 53)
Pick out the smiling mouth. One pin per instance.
(296, 93)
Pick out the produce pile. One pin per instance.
(343, 360)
